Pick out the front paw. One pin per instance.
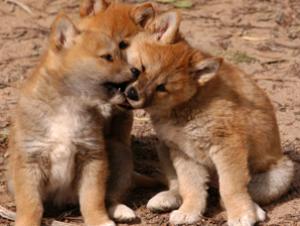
(164, 201)
(25, 221)
(249, 217)
(121, 213)
(178, 217)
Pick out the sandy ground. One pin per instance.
(262, 37)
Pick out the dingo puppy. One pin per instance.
(210, 117)
(57, 152)
(121, 22)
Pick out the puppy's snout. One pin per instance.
(132, 94)
(135, 72)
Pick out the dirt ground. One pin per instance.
(261, 36)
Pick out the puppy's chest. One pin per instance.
(68, 136)
(191, 138)
(62, 134)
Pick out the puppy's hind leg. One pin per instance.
(232, 168)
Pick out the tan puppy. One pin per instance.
(210, 118)
(121, 22)
(57, 152)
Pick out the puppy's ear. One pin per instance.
(92, 7)
(142, 14)
(63, 33)
(203, 70)
(165, 27)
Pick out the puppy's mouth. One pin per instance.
(125, 105)
(115, 88)
(116, 94)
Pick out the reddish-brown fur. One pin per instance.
(121, 22)
(57, 149)
(210, 118)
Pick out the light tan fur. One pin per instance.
(210, 118)
(57, 151)
(121, 22)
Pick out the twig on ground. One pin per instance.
(277, 80)
(207, 17)
(21, 5)
(10, 215)
(245, 26)
(143, 119)
(35, 27)
(7, 214)
(275, 61)
(253, 38)
(286, 45)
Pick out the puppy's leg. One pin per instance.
(193, 179)
(120, 164)
(92, 193)
(27, 192)
(233, 174)
(120, 180)
(170, 199)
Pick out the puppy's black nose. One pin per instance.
(132, 94)
(135, 72)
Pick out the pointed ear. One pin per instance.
(63, 33)
(165, 27)
(143, 13)
(206, 69)
(92, 7)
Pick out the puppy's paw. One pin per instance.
(260, 213)
(178, 217)
(164, 201)
(249, 217)
(121, 213)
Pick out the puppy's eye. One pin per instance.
(107, 57)
(123, 45)
(161, 88)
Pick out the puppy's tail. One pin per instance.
(140, 180)
(268, 186)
